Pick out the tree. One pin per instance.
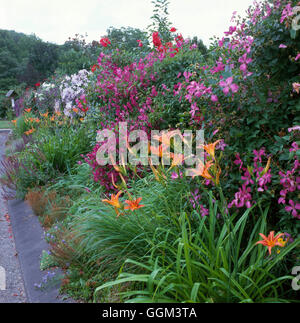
(202, 48)
(43, 59)
(76, 54)
(127, 38)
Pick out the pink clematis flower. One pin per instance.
(244, 60)
(231, 31)
(296, 87)
(214, 98)
(294, 148)
(287, 12)
(296, 128)
(229, 85)
(293, 209)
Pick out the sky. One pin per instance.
(57, 20)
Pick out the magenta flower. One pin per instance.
(231, 31)
(294, 148)
(242, 198)
(238, 161)
(282, 46)
(174, 175)
(244, 60)
(263, 180)
(214, 98)
(195, 198)
(288, 181)
(247, 178)
(194, 109)
(229, 85)
(293, 209)
(287, 12)
(204, 211)
(281, 200)
(221, 145)
(258, 155)
(296, 128)
(215, 132)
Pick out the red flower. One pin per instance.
(173, 30)
(105, 42)
(140, 43)
(85, 110)
(37, 84)
(94, 67)
(179, 38)
(156, 39)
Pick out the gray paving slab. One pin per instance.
(30, 243)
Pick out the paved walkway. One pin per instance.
(14, 292)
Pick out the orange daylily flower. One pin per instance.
(29, 132)
(75, 110)
(114, 200)
(58, 113)
(113, 181)
(210, 149)
(27, 110)
(113, 163)
(159, 151)
(202, 170)
(14, 122)
(45, 115)
(134, 205)
(177, 159)
(271, 241)
(166, 137)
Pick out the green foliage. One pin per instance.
(24, 58)
(52, 151)
(126, 38)
(171, 250)
(5, 104)
(61, 147)
(21, 125)
(42, 62)
(160, 20)
(212, 263)
(165, 252)
(76, 55)
(171, 112)
(47, 261)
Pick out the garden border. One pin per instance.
(30, 243)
